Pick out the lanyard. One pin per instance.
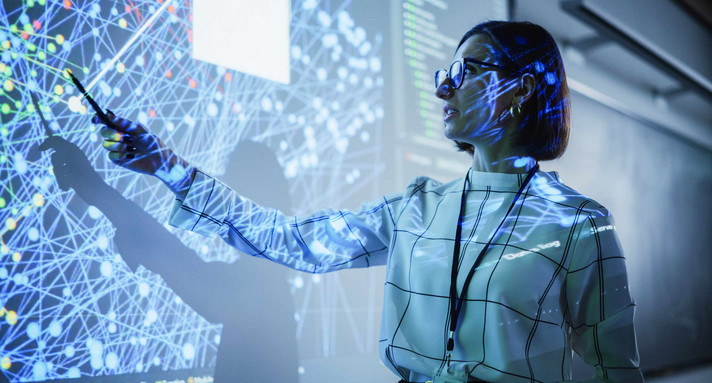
(455, 303)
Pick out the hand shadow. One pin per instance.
(250, 297)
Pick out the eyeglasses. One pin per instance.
(457, 71)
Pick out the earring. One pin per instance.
(519, 110)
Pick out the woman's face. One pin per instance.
(474, 112)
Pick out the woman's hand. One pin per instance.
(134, 147)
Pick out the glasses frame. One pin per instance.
(464, 63)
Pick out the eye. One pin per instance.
(469, 70)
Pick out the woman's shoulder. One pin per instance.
(428, 185)
(549, 189)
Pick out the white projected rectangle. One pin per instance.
(246, 35)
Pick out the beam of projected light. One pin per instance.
(249, 36)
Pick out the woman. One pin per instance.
(496, 276)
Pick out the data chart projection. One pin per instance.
(430, 31)
(70, 306)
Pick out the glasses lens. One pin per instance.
(456, 74)
(440, 76)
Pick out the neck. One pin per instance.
(491, 161)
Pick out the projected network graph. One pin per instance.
(71, 307)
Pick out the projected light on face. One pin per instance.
(70, 305)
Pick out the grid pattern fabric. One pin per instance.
(553, 281)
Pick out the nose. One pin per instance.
(445, 90)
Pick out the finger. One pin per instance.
(111, 134)
(127, 126)
(120, 158)
(115, 146)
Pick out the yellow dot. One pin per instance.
(8, 85)
(120, 67)
(4, 249)
(122, 23)
(38, 199)
(5, 363)
(3, 311)
(11, 317)
(11, 224)
(2, 67)
(16, 256)
(59, 90)
(6, 44)
(60, 39)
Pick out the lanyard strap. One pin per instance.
(455, 303)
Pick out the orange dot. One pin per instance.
(160, 1)
(128, 9)
(67, 4)
(190, 35)
(24, 35)
(169, 74)
(152, 113)
(171, 9)
(228, 76)
(192, 83)
(37, 24)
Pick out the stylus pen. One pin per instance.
(93, 103)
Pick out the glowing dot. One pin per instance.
(60, 39)
(11, 224)
(228, 76)
(169, 74)
(38, 200)
(300, 370)
(5, 363)
(550, 78)
(36, 24)
(67, 4)
(74, 373)
(25, 35)
(11, 317)
(58, 90)
(33, 234)
(33, 330)
(188, 351)
(127, 9)
(112, 360)
(8, 86)
(16, 257)
(106, 269)
(55, 328)
(123, 23)
(171, 9)
(143, 289)
(192, 83)
(74, 104)
(102, 242)
(120, 67)
(151, 316)
(5, 108)
(4, 249)
(51, 47)
(94, 212)
(152, 113)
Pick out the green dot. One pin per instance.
(424, 104)
(30, 108)
(18, 104)
(15, 211)
(3, 159)
(31, 47)
(51, 47)
(41, 55)
(28, 28)
(413, 63)
(14, 55)
(423, 113)
(429, 123)
(2, 202)
(429, 133)
(13, 28)
(33, 73)
(4, 131)
(5, 109)
(42, 2)
(85, 70)
(30, 3)
(418, 84)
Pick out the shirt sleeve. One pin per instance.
(600, 309)
(325, 241)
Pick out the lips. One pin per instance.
(449, 112)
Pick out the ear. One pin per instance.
(525, 89)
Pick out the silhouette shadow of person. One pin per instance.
(250, 297)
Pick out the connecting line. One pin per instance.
(126, 46)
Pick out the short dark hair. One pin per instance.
(525, 47)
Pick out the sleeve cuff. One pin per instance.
(204, 208)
